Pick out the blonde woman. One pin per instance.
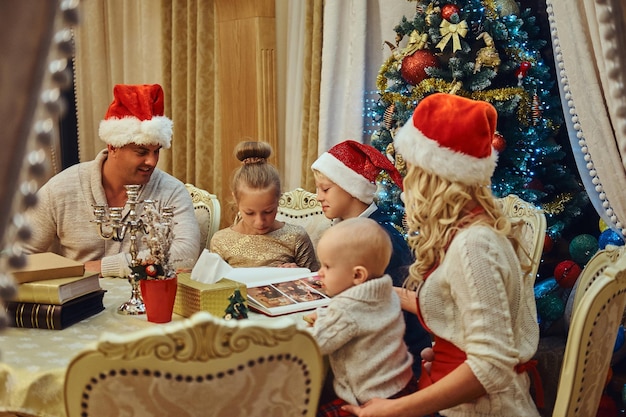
(467, 284)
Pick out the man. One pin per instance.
(134, 130)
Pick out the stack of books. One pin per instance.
(53, 292)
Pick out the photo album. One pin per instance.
(278, 291)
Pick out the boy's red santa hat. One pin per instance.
(136, 116)
(354, 167)
(451, 136)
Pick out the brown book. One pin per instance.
(54, 316)
(58, 290)
(47, 265)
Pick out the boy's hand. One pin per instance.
(310, 318)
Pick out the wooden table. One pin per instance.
(33, 361)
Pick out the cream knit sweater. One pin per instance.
(362, 331)
(477, 300)
(61, 221)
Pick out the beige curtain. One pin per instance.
(588, 41)
(311, 86)
(190, 74)
(117, 42)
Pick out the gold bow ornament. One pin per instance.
(452, 30)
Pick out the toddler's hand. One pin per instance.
(289, 265)
(310, 318)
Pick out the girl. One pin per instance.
(256, 238)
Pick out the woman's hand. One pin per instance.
(377, 407)
(428, 356)
(289, 265)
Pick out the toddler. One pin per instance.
(361, 329)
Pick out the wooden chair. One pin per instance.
(201, 366)
(534, 231)
(301, 207)
(589, 349)
(208, 212)
(593, 269)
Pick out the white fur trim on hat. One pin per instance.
(353, 183)
(419, 150)
(121, 132)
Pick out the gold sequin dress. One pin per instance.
(289, 244)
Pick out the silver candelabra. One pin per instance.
(113, 225)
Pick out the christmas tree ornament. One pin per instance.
(602, 225)
(610, 237)
(487, 56)
(536, 109)
(582, 248)
(521, 72)
(454, 31)
(388, 117)
(498, 142)
(566, 273)
(416, 42)
(414, 66)
(535, 184)
(545, 287)
(448, 10)
(430, 11)
(507, 7)
(550, 307)
(548, 243)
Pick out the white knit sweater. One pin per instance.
(478, 300)
(362, 331)
(61, 221)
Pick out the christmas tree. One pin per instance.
(486, 50)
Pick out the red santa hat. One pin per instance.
(354, 167)
(451, 136)
(136, 116)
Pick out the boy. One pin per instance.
(361, 329)
(345, 178)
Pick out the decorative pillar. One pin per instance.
(246, 81)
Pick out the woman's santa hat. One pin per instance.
(451, 136)
(354, 167)
(136, 116)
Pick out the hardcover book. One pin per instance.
(278, 291)
(54, 316)
(47, 265)
(58, 290)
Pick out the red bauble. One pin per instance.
(523, 69)
(566, 273)
(535, 184)
(414, 66)
(498, 142)
(548, 244)
(151, 271)
(448, 10)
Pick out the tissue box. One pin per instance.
(193, 296)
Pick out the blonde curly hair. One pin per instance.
(436, 209)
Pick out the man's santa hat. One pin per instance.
(354, 167)
(451, 136)
(136, 116)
